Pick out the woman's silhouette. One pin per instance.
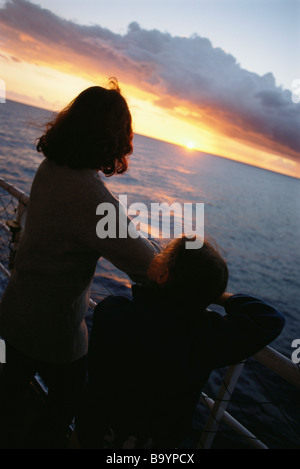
(42, 313)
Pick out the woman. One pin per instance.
(43, 308)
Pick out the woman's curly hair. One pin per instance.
(94, 131)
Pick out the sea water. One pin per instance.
(251, 213)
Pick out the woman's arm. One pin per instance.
(106, 231)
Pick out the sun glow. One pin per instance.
(190, 145)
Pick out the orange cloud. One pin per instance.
(185, 81)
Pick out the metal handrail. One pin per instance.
(270, 358)
(280, 364)
(207, 438)
(15, 192)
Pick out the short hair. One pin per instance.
(201, 274)
(94, 131)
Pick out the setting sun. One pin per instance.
(208, 118)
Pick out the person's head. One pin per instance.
(94, 131)
(200, 275)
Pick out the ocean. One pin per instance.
(251, 213)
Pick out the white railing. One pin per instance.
(15, 192)
(281, 365)
(268, 357)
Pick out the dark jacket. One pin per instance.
(149, 358)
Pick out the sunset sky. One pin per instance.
(213, 75)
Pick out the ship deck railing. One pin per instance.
(15, 209)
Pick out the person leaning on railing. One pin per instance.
(42, 312)
(150, 356)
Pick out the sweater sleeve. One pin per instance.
(250, 325)
(106, 232)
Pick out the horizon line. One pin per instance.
(171, 143)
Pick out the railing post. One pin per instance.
(251, 439)
(220, 405)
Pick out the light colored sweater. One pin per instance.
(43, 308)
